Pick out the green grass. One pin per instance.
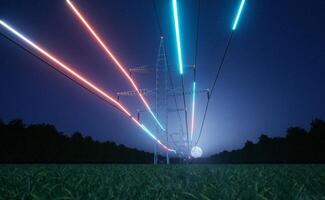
(162, 182)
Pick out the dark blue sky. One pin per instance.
(273, 76)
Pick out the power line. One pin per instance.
(197, 37)
(157, 17)
(47, 63)
(194, 70)
(118, 106)
(185, 113)
(113, 58)
(168, 67)
(239, 12)
(214, 84)
(180, 63)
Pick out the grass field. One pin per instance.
(162, 182)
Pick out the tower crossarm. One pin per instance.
(146, 92)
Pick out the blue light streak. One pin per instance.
(155, 138)
(148, 132)
(156, 119)
(238, 15)
(178, 40)
(70, 73)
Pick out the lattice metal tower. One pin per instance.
(161, 95)
(162, 92)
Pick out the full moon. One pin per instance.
(196, 152)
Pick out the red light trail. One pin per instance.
(113, 57)
(70, 72)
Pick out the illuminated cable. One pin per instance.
(153, 136)
(194, 70)
(238, 14)
(72, 74)
(115, 60)
(169, 74)
(220, 66)
(64, 67)
(178, 40)
(180, 62)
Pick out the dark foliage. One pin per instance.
(298, 146)
(42, 143)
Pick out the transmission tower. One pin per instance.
(161, 95)
(163, 91)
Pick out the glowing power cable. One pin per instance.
(194, 70)
(178, 40)
(180, 62)
(239, 12)
(115, 60)
(84, 82)
(169, 73)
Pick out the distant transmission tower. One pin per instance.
(161, 95)
(163, 91)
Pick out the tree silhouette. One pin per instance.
(298, 146)
(42, 143)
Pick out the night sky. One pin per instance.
(273, 76)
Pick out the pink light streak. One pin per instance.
(86, 83)
(113, 57)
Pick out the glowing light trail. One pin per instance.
(75, 75)
(178, 40)
(152, 135)
(65, 67)
(180, 62)
(220, 66)
(115, 60)
(238, 15)
(193, 110)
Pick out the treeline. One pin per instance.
(42, 143)
(298, 146)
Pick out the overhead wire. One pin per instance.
(239, 12)
(89, 86)
(168, 69)
(194, 70)
(213, 86)
(181, 70)
(109, 53)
